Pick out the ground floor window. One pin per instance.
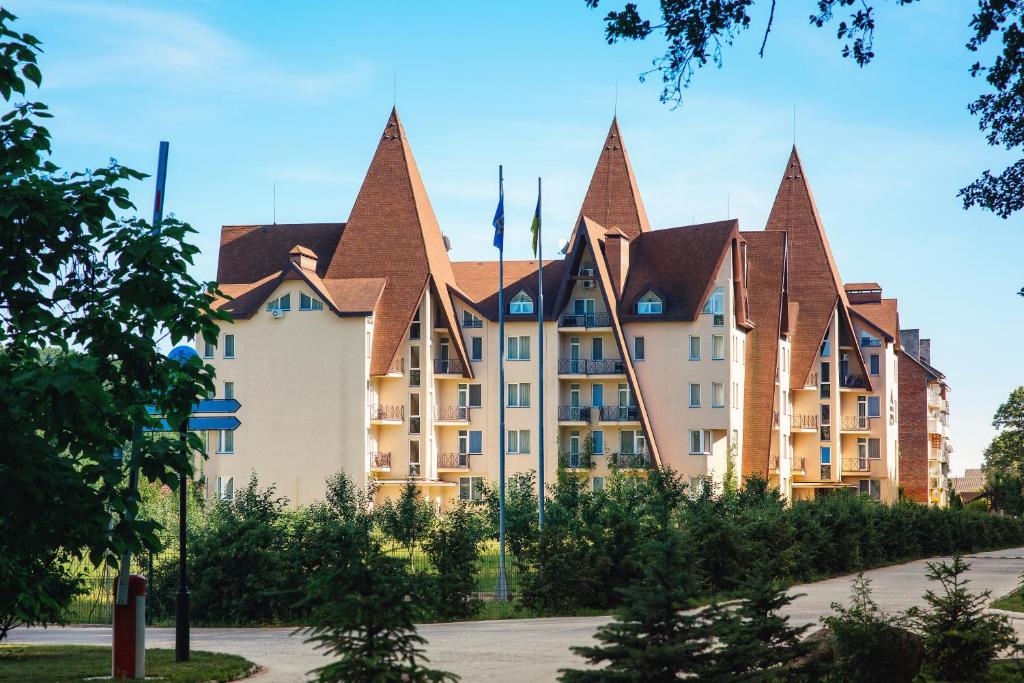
(598, 484)
(872, 487)
(225, 441)
(225, 488)
(471, 488)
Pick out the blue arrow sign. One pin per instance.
(225, 423)
(217, 405)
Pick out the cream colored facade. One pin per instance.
(939, 446)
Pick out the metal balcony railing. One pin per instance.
(631, 461)
(804, 421)
(773, 463)
(448, 366)
(620, 413)
(453, 460)
(800, 465)
(468, 323)
(854, 423)
(856, 465)
(580, 366)
(451, 413)
(574, 413)
(852, 381)
(397, 366)
(382, 412)
(380, 460)
(575, 460)
(585, 320)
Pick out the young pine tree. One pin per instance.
(453, 547)
(961, 640)
(654, 637)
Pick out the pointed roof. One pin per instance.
(613, 199)
(392, 215)
(813, 278)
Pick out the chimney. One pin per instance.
(304, 258)
(616, 255)
(910, 341)
(926, 351)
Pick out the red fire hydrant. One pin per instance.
(129, 652)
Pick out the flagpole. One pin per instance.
(540, 367)
(501, 590)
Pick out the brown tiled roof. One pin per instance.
(882, 315)
(973, 481)
(392, 233)
(251, 252)
(681, 264)
(478, 282)
(766, 273)
(861, 286)
(357, 295)
(613, 199)
(813, 277)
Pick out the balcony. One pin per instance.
(396, 368)
(856, 465)
(453, 461)
(631, 461)
(451, 415)
(855, 423)
(470, 323)
(585, 321)
(387, 415)
(448, 366)
(579, 366)
(773, 464)
(575, 461)
(620, 414)
(798, 467)
(775, 419)
(803, 423)
(851, 382)
(574, 414)
(380, 462)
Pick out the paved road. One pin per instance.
(534, 649)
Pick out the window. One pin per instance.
(597, 348)
(694, 348)
(225, 488)
(867, 340)
(414, 413)
(517, 441)
(597, 395)
(518, 395)
(476, 349)
(826, 455)
(638, 348)
(826, 345)
(229, 389)
(598, 441)
(649, 304)
(414, 327)
(874, 406)
(735, 394)
(625, 398)
(229, 346)
(598, 484)
(471, 320)
(694, 395)
(825, 422)
(716, 306)
(696, 484)
(785, 402)
(825, 383)
(208, 349)
(717, 394)
(717, 347)
(414, 366)
(518, 348)
(471, 488)
(873, 364)
(700, 441)
(871, 487)
(875, 449)
(414, 458)
(475, 396)
(476, 442)
(225, 441)
(521, 303)
(281, 303)
(308, 303)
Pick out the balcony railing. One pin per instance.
(453, 460)
(574, 413)
(852, 381)
(631, 461)
(468, 323)
(856, 423)
(775, 418)
(575, 460)
(397, 366)
(798, 464)
(381, 412)
(804, 422)
(448, 366)
(380, 460)
(585, 320)
(451, 414)
(856, 465)
(579, 366)
(620, 414)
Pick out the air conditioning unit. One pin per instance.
(276, 313)
(587, 272)
(588, 284)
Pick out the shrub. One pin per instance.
(406, 519)
(453, 548)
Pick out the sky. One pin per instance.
(253, 95)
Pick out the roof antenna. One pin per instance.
(728, 207)
(394, 88)
(794, 124)
(275, 202)
(615, 108)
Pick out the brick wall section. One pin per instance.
(913, 436)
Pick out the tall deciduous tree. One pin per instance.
(1004, 456)
(86, 291)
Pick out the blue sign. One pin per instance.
(217, 405)
(224, 423)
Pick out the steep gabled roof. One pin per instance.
(477, 281)
(766, 273)
(249, 253)
(656, 261)
(392, 233)
(813, 277)
(613, 198)
(883, 316)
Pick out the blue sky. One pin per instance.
(256, 93)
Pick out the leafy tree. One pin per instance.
(961, 639)
(406, 519)
(364, 616)
(453, 547)
(520, 512)
(1004, 456)
(85, 292)
(697, 31)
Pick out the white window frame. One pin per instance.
(209, 350)
(716, 307)
(225, 442)
(473, 355)
(518, 395)
(650, 304)
(229, 389)
(521, 304)
(718, 394)
(639, 348)
(474, 486)
(690, 347)
(516, 345)
(703, 442)
(229, 346)
(517, 441)
(281, 303)
(718, 347)
(690, 395)
(225, 489)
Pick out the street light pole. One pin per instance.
(181, 611)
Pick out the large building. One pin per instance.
(360, 346)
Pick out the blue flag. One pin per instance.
(499, 215)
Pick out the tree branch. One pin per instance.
(767, 30)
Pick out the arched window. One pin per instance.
(521, 303)
(649, 304)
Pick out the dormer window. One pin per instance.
(308, 303)
(471, 320)
(521, 303)
(716, 306)
(281, 303)
(650, 304)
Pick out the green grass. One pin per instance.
(65, 663)
(1012, 602)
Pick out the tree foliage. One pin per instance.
(86, 291)
(1004, 456)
